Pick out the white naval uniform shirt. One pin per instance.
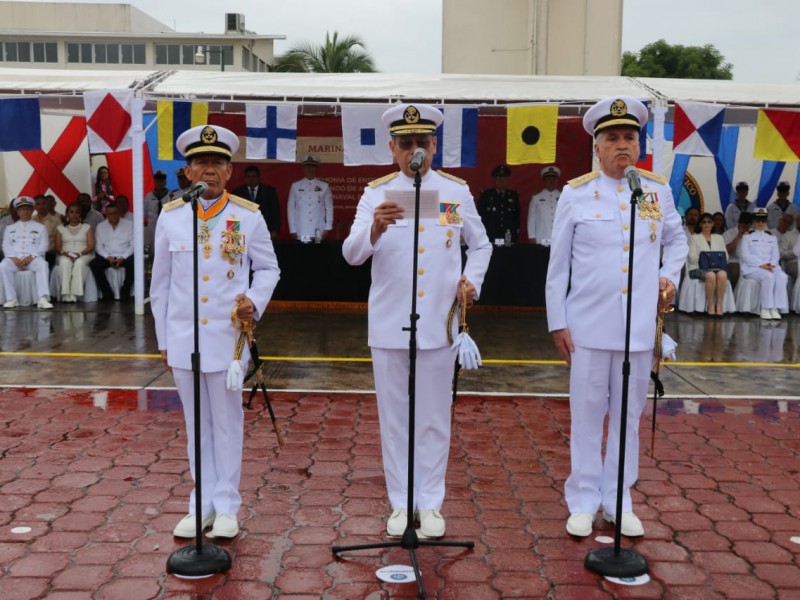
(587, 277)
(775, 212)
(171, 289)
(439, 266)
(758, 248)
(541, 214)
(23, 239)
(309, 209)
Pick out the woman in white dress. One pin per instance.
(75, 248)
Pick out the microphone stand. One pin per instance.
(410, 540)
(200, 560)
(616, 561)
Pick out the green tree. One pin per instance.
(661, 59)
(347, 55)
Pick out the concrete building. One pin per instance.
(78, 35)
(532, 37)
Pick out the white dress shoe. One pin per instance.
(766, 314)
(187, 526)
(44, 303)
(396, 524)
(431, 523)
(631, 525)
(11, 304)
(580, 524)
(775, 314)
(225, 526)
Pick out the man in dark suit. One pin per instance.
(264, 195)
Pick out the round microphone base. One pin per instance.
(188, 563)
(608, 562)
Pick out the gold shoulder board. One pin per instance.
(653, 176)
(173, 204)
(453, 177)
(385, 179)
(579, 181)
(251, 206)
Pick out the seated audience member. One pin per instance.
(113, 249)
(714, 279)
(719, 223)
(760, 261)
(785, 225)
(733, 238)
(690, 222)
(786, 246)
(782, 206)
(88, 214)
(124, 205)
(50, 222)
(75, 246)
(24, 245)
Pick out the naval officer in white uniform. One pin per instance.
(383, 231)
(542, 208)
(587, 293)
(232, 241)
(761, 261)
(309, 209)
(24, 246)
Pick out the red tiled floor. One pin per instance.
(102, 500)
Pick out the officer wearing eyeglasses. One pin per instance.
(384, 230)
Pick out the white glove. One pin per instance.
(469, 357)
(668, 348)
(235, 378)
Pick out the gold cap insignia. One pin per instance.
(618, 108)
(208, 135)
(411, 115)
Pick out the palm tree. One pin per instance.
(347, 55)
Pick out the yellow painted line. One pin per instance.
(333, 359)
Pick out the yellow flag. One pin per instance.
(173, 119)
(531, 134)
(777, 135)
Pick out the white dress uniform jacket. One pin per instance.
(761, 248)
(171, 291)
(587, 282)
(20, 240)
(541, 214)
(309, 209)
(439, 260)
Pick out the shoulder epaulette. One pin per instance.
(173, 204)
(653, 176)
(579, 181)
(251, 206)
(751, 231)
(768, 232)
(453, 177)
(381, 180)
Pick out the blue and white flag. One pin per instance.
(457, 144)
(365, 139)
(21, 124)
(271, 131)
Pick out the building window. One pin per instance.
(105, 54)
(183, 54)
(245, 59)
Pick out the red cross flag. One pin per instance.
(60, 168)
(108, 120)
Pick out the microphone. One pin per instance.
(632, 175)
(418, 159)
(195, 192)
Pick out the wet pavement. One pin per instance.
(94, 463)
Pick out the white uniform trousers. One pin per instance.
(774, 291)
(221, 435)
(595, 390)
(432, 415)
(41, 271)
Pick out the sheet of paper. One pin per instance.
(428, 202)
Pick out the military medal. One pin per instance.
(448, 213)
(653, 229)
(649, 208)
(232, 244)
(231, 274)
(449, 241)
(204, 237)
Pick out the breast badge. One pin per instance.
(232, 244)
(448, 213)
(649, 208)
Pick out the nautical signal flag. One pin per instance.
(777, 135)
(173, 119)
(531, 134)
(698, 128)
(271, 131)
(365, 138)
(21, 125)
(108, 120)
